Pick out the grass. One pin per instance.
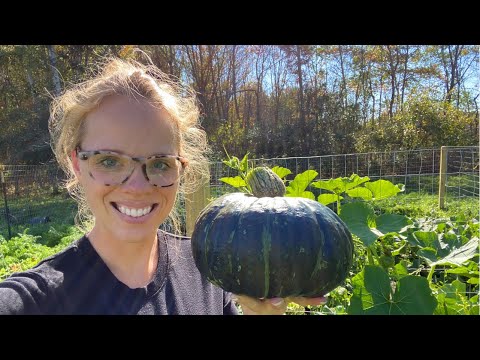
(59, 209)
(418, 205)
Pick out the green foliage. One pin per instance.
(361, 220)
(350, 186)
(25, 250)
(375, 294)
(423, 123)
(402, 265)
(296, 187)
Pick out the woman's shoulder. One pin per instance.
(49, 270)
(61, 260)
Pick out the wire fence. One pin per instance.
(417, 170)
(462, 173)
(34, 194)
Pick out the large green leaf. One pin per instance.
(360, 220)
(429, 254)
(382, 189)
(281, 171)
(236, 181)
(326, 199)
(360, 192)
(297, 186)
(458, 256)
(371, 289)
(413, 296)
(452, 300)
(373, 294)
(425, 238)
(305, 194)
(401, 269)
(340, 185)
(392, 223)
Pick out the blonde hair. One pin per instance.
(135, 80)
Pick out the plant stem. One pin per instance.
(430, 274)
(370, 257)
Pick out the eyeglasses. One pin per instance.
(112, 168)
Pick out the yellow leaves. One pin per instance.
(126, 51)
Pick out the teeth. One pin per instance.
(134, 212)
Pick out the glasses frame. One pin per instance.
(84, 155)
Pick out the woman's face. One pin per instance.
(137, 129)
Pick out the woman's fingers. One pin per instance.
(252, 306)
(304, 301)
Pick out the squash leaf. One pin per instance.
(458, 256)
(326, 199)
(360, 192)
(341, 184)
(383, 189)
(281, 171)
(297, 186)
(361, 221)
(374, 295)
(236, 182)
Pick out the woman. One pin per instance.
(130, 140)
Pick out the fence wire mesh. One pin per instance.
(462, 173)
(34, 194)
(417, 170)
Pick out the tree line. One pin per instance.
(270, 100)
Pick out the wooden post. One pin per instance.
(194, 203)
(443, 177)
(7, 211)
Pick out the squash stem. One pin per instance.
(370, 257)
(430, 274)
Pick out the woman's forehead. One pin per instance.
(121, 120)
(122, 105)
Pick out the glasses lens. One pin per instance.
(110, 169)
(163, 171)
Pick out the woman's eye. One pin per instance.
(109, 162)
(159, 165)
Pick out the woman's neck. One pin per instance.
(132, 263)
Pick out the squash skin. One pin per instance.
(264, 182)
(271, 246)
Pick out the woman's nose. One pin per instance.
(138, 178)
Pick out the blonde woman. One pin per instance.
(130, 141)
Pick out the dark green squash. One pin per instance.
(268, 247)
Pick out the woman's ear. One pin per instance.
(75, 164)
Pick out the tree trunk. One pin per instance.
(52, 56)
(404, 80)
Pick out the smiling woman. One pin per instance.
(130, 140)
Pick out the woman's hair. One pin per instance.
(138, 81)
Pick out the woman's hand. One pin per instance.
(274, 306)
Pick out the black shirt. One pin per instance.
(77, 281)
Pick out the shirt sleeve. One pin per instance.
(22, 294)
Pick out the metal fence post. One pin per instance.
(7, 211)
(442, 177)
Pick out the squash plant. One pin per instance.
(391, 251)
